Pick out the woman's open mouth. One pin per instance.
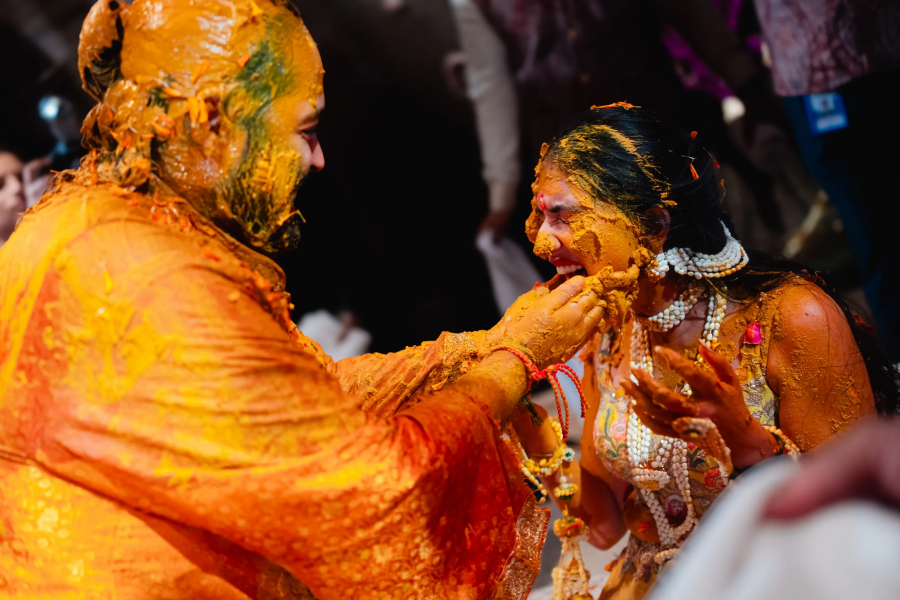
(568, 269)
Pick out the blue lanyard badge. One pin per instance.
(826, 112)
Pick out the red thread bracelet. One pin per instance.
(550, 374)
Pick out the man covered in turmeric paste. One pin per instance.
(165, 431)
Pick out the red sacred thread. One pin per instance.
(550, 374)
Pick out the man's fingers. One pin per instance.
(540, 290)
(595, 316)
(564, 293)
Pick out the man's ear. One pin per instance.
(656, 223)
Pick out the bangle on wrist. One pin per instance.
(784, 445)
(550, 374)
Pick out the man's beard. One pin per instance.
(251, 219)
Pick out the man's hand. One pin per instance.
(552, 325)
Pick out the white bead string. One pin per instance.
(715, 315)
(648, 453)
(683, 261)
(675, 313)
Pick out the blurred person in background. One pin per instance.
(12, 194)
(837, 65)
(532, 65)
(826, 528)
(21, 186)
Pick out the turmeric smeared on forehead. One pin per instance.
(591, 155)
(162, 42)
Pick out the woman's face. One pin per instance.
(12, 195)
(577, 235)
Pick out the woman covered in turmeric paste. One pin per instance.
(724, 360)
(165, 431)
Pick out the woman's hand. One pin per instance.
(553, 325)
(717, 396)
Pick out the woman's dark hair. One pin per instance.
(629, 157)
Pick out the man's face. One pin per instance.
(274, 116)
(224, 98)
(263, 144)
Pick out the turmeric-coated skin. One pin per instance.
(165, 430)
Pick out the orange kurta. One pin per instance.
(163, 436)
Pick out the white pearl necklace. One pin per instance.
(649, 454)
(715, 314)
(675, 313)
(730, 260)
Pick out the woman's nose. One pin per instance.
(545, 244)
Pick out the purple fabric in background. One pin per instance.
(693, 72)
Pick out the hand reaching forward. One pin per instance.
(716, 396)
(552, 325)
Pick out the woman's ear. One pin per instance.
(656, 223)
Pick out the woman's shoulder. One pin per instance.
(799, 303)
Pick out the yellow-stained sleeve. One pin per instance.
(385, 384)
(165, 384)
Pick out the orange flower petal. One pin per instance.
(242, 61)
(161, 131)
(193, 109)
(199, 71)
(624, 105)
(172, 93)
(694, 172)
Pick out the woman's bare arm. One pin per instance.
(815, 368)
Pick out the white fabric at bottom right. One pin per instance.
(850, 550)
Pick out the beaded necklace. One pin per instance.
(648, 453)
(674, 314)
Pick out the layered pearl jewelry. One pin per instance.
(649, 454)
(675, 313)
(787, 446)
(715, 315)
(730, 260)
